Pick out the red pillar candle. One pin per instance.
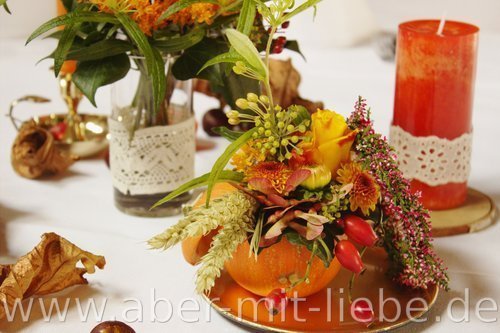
(432, 124)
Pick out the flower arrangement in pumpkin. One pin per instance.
(316, 181)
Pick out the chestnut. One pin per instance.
(112, 327)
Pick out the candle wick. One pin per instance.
(441, 24)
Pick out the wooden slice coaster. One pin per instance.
(478, 212)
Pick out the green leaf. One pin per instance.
(68, 4)
(228, 57)
(73, 18)
(247, 17)
(294, 238)
(235, 86)
(154, 61)
(244, 46)
(180, 5)
(222, 161)
(177, 44)
(99, 50)
(225, 176)
(3, 3)
(306, 5)
(303, 114)
(293, 45)
(90, 75)
(227, 133)
(64, 45)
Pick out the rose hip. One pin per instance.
(348, 256)
(358, 230)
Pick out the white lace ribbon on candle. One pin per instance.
(430, 159)
(157, 160)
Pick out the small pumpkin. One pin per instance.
(275, 266)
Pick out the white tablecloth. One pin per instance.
(79, 204)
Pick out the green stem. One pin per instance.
(305, 278)
(353, 277)
(267, 82)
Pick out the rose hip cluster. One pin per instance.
(358, 231)
(279, 43)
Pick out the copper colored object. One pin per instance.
(85, 135)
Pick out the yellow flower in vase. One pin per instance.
(365, 191)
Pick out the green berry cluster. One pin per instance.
(338, 203)
(278, 130)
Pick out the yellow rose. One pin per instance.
(332, 140)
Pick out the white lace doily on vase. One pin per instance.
(430, 159)
(157, 160)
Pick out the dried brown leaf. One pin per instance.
(35, 153)
(50, 267)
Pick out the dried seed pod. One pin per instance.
(35, 153)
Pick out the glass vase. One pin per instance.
(151, 152)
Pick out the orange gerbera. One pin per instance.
(365, 191)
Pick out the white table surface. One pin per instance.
(79, 204)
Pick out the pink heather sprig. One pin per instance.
(406, 230)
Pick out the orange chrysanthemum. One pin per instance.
(247, 157)
(275, 172)
(365, 191)
(146, 13)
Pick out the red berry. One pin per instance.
(281, 40)
(276, 301)
(348, 256)
(58, 130)
(277, 49)
(359, 230)
(285, 24)
(362, 312)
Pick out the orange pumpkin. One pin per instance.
(273, 267)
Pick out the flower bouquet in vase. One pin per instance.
(306, 194)
(150, 51)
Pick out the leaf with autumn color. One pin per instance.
(50, 267)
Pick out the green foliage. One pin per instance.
(3, 3)
(222, 161)
(93, 74)
(245, 48)
(154, 61)
(101, 49)
(224, 176)
(74, 17)
(227, 133)
(177, 44)
(222, 80)
(64, 45)
(247, 17)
